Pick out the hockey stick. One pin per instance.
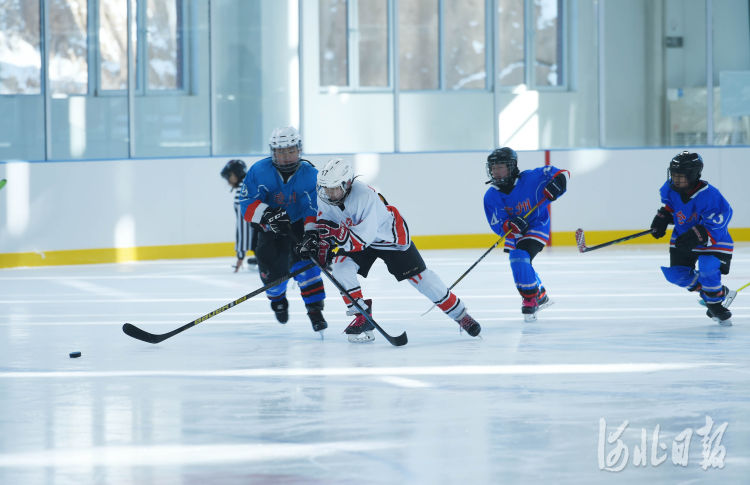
(581, 240)
(152, 338)
(397, 341)
(497, 243)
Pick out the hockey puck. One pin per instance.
(74, 355)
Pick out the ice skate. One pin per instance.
(360, 330)
(281, 309)
(719, 314)
(543, 300)
(729, 296)
(468, 324)
(315, 313)
(529, 307)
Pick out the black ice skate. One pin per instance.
(360, 330)
(315, 313)
(281, 309)
(543, 300)
(469, 325)
(719, 314)
(729, 296)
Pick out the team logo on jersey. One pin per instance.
(243, 190)
(683, 219)
(349, 222)
(279, 198)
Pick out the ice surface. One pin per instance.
(242, 399)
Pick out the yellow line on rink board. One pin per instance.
(216, 250)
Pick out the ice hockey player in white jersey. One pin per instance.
(355, 218)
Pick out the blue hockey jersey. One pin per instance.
(527, 192)
(707, 207)
(264, 187)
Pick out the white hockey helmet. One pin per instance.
(337, 174)
(281, 138)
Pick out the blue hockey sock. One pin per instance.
(310, 283)
(524, 275)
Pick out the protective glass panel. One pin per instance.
(373, 43)
(548, 42)
(164, 44)
(465, 44)
(731, 70)
(510, 34)
(68, 62)
(685, 72)
(20, 58)
(418, 44)
(113, 41)
(332, 18)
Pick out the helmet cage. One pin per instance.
(335, 174)
(283, 138)
(688, 164)
(503, 156)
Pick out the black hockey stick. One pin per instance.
(152, 338)
(497, 243)
(398, 341)
(581, 240)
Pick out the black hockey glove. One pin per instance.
(516, 225)
(555, 187)
(693, 237)
(662, 219)
(276, 220)
(309, 246)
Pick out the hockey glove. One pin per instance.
(516, 225)
(275, 220)
(693, 237)
(659, 225)
(309, 246)
(333, 233)
(556, 187)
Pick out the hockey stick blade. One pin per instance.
(152, 338)
(580, 240)
(396, 341)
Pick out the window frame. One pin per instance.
(352, 53)
(185, 45)
(529, 69)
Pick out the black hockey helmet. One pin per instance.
(686, 163)
(508, 157)
(236, 167)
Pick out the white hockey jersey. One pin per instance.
(371, 222)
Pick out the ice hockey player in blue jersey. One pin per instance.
(511, 196)
(278, 196)
(700, 215)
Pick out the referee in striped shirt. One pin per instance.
(234, 172)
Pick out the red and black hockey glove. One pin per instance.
(662, 219)
(693, 237)
(555, 187)
(333, 232)
(313, 247)
(516, 225)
